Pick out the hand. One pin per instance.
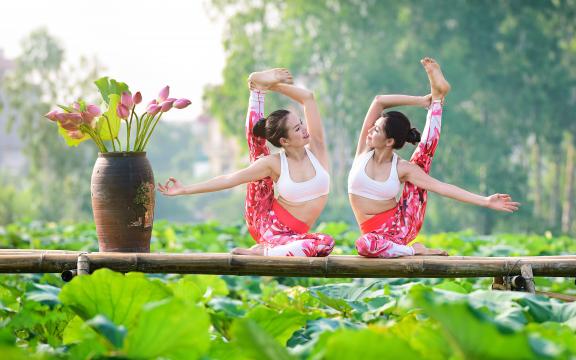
(175, 189)
(426, 101)
(502, 202)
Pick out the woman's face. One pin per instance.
(297, 131)
(376, 136)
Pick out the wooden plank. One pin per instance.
(12, 261)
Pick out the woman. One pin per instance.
(279, 226)
(377, 173)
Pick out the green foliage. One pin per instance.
(107, 314)
(56, 182)
(118, 297)
(511, 66)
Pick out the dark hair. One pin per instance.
(397, 126)
(273, 127)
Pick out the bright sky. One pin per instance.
(147, 44)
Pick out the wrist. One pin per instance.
(485, 201)
(181, 191)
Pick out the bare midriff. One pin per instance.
(365, 208)
(306, 211)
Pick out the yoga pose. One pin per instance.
(300, 171)
(375, 179)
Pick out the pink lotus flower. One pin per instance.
(126, 100)
(81, 120)
(153, 109)
(52, 115)
(163, 94)
(69, 121)
(166, 105)
(76, 134)
(122, 110)
(93, 110)
(137, 98)
(182, 103)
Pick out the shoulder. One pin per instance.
(320, 153)
(404, 167)
(270, 160)
(364, 153)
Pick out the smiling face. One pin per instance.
(377, 136)
(297, 132)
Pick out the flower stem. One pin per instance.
(95, 137)
(110, 130)
(145, 131)
(129, 125)
(150, 133)
(139, 129)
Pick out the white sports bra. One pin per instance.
(306, 190)
(359, 183)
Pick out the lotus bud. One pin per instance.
(171, 100)
(126, 99)
(93, 110)
(86, 117)
(52, 115)
(153, 109)
(166, 105)
(70, 121)
(182, 103)
(122, 111)
(152, 102)
(163, 95)
(76, 134)
(76, 106)
(137, 98)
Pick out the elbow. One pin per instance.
(308, 96)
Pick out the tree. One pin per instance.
(59, 177)
(511, 64)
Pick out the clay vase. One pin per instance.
(123, 201)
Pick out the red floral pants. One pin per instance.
(270, 225)
(386, 235)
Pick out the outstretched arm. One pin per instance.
(499, 202)
(313, 121)
(382, 102)
(258, 170)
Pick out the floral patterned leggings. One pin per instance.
(386, 234)
(270, 225)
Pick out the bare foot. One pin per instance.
(438, 84)
(420, 249)
(263, 80)
(254, 250)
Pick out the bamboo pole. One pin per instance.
(526, 271)
(83, 264)
(332, 266)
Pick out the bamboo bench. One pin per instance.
(508, 272)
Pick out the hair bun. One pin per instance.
(413, 136)
(259, 129)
